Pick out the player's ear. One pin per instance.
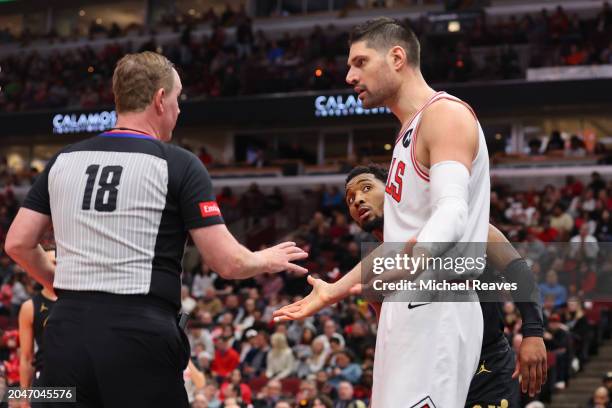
(158, 100)
(398, 56)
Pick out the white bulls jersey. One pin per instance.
(407, 201)
(427, 352)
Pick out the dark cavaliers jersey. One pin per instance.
(122, 205)
(493, 316)
(42, 309)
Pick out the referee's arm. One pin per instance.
(225, 255)
(31, 222)
(22, 244)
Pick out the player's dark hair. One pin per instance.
(384, 33)
(376, 170)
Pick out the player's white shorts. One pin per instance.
(426, 355)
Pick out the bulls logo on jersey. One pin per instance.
(407, 138)
(424, 403)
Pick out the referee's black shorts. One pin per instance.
(492, 384)
(117, 350)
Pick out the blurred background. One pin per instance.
(266, 109)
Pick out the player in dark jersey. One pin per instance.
(496, 381)
(33, 317)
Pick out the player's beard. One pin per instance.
(376, 223)
(378, 98)
(373, 100)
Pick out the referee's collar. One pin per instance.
(127, 134)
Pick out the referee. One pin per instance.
(121, 204)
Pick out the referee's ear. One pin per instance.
(158, 101)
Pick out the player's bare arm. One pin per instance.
(26, 341)
(232, 260)
(22, 244)
(448, 132)
(323, 294)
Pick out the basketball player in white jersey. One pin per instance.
(437, 193)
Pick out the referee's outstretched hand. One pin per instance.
(280, 258)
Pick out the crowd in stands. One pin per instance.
(555, 145)
(327, 360)
(252, 62)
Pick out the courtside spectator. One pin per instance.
(584, 245)
(269, 395)
(601, 398)
(607, 381)
(280, 361)
(557, 340)
(552, 287)
(236, 381)
(187, 302)
(254, 362)
(346, 398)
(344, 369)
(226, 358)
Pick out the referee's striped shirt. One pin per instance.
(122, 205)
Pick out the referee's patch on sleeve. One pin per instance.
(209, 209)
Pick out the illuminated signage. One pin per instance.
(342, 105)
(84, 122)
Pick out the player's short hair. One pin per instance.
(383, 33)
(138, 77)
(376, 170)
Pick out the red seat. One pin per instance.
(291, 385)
(4, 322)
(258, 383)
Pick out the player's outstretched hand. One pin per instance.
(317, 299)
(367, 288)
(280, 258)
(531, 365)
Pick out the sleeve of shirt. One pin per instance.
(196, 199)
(519, 272)
(38, 196)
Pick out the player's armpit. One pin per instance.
(448, 131)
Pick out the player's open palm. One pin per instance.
(280, 258)
(317, 299)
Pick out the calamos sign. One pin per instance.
(84, 122)
(343, 105)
